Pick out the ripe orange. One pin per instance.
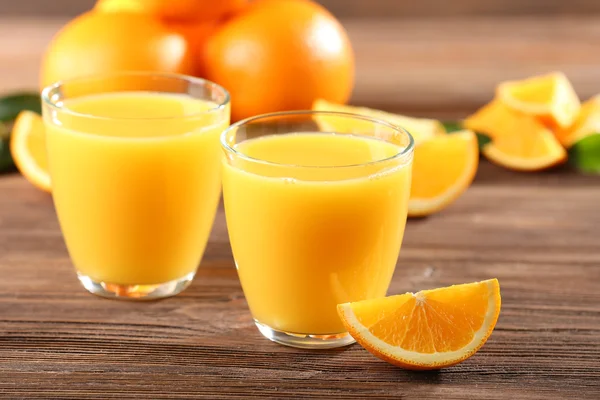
(281, 55)
(519, 141)
(28, 149)
(444, 165)
(96, 43)
(421, 129)
(175, 10)
(430, 329)
(443, 168)
(197, 35)
(551, 98)
(586, 123)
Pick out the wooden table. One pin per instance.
(538, 233)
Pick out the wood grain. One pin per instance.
(538, 233)
(358, 8)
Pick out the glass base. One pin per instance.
(302, 341)
(136, 292)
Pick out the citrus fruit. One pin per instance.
(28, 149)
(175, 10)
(443, 168)
(196, 34)
(97, 43)
(548, 97)
(430, 329)
(420, 128)
(519, 141)
(280, 55)
(587, 123)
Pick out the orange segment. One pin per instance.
(430, 329)
(587, 123)
(519, 141)
(443, 168)
(549, 97)
(28, 149)
(420, 128)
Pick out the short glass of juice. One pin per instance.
(316, 207)
(135, 162)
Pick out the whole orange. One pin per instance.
(176, 10)
(280, 55)
(196, 34)
(96, 43)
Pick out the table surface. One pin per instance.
(537, 233)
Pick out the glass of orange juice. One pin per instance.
(135, 162)
(316, 207)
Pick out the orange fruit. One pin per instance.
(420, 128)
(96, 43)
(587, 123)
(519, 141)
(281, 55)
(196, 34)
(443, 168)
(549, 97)
(430, 329)
(28, 149)
(175, 10)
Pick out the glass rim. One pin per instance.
(46, 94)
(405, 151)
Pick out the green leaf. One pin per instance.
(585, 154)
(6, 161)
(11, 105)
(455, 126)
(452, 126)
(482, 139)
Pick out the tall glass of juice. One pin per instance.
(316, 207)
(135, 163)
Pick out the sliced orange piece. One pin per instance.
(587, 123)
(430, 329)
(519, 141)
(443, 168)
(28, 149)
(420, 128)
(549, 97)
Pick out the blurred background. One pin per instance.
(430, 57)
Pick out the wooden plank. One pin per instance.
(536, 233)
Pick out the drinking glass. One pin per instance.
(316, 206)
(135, 162)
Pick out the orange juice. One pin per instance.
(307, 238)
(136, 182)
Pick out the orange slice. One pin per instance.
(443, 168)
(420, 128)
(519, 141)
(549, 97)
(28, 149)
(587, 123)
(430, 329)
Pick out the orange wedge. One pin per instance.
(519, 141)
(587, 123)
(28, 149)
(430, 329)
(420, 128)
(550, 97)
(443, 168)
